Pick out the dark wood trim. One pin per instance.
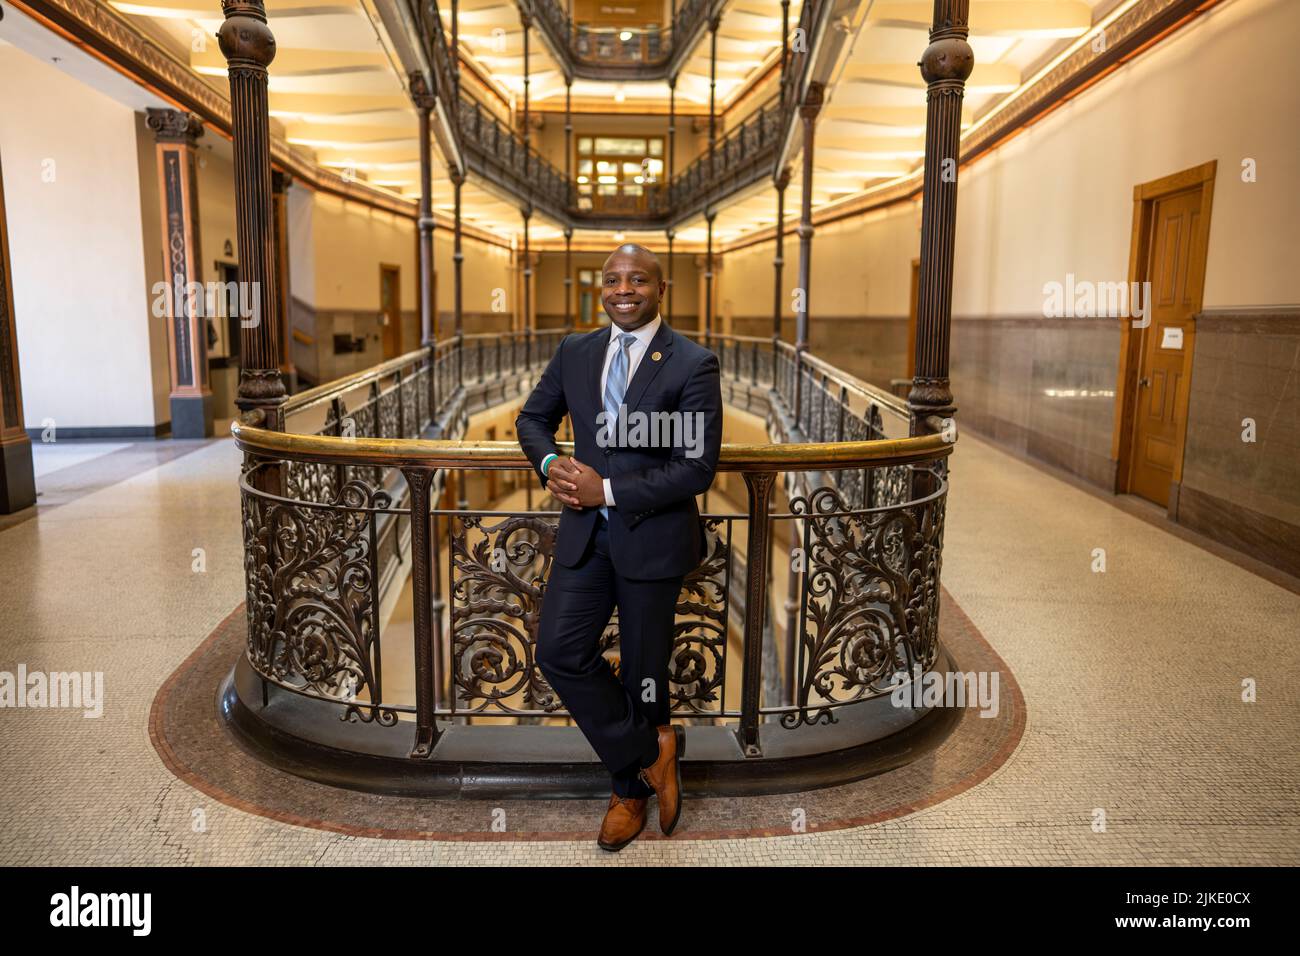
(1263, 537)
(1270, 320)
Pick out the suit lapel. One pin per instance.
(649, 367)
(596, 365)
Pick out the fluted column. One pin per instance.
(457, 260)
(778, 259)
(568, 130)
(17, 474)
(280, 183)
(568, 278)
(709, 216)
(527, 22)
(808, 110)
(527, 212)
(425, 102)
(945, 66)
(248, 46)
(455, 46)
(672, 128)
(713, 83)
(672, 233)
(175, 136)
(785, 47)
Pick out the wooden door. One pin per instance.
(390, 309)
(1176, 270)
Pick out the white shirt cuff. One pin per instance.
(609, 494)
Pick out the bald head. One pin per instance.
(638, 254)
(632, 283)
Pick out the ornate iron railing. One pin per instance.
(641, 52)
(741, 158)
(492, 150)
(323, 500)
(499, 154)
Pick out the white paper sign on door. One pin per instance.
(1171, 337)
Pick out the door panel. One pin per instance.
(1175, 266)
(390, 306)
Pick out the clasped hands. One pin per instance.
(575, 484)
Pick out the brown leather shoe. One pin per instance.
(665, 775)
(624, 819)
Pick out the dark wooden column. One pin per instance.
(713, 83)
(808, 110)
(527, 22)
(709, 216)
(280, 183)
(527, 273)
(425, 102)
(17, 477)
(672, 234)
(778, 259)
(672, 128)
(945, 66)
(568, 278)
(455, 46)
(458, 260)
(458, 256)
(785, 47)
(248, 46)
(175, 136)
(568, 131)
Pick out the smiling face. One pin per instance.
(632, 284)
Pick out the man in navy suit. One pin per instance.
(646, 409)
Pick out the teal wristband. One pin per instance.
(546, 463)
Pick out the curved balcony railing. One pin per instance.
(741, 158)
(845, 563)
(644, 52)
(498, 154)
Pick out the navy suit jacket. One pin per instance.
(655, 529)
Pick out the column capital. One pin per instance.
(244, 37)
(813, 98)
(173, 126)
(421, 91)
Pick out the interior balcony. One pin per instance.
(813, 614)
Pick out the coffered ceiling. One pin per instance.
(338, 93)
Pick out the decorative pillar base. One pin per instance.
(17, 476)
(192, 416)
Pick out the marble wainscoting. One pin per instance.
(1246, 365)
(871, 347)
(1041, 387)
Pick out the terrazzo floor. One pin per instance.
(1138, 746)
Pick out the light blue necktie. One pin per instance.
(615, 388)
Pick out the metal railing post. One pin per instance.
(757, 555)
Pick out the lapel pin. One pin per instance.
(656, 356)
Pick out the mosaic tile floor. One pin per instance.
(1132, 681)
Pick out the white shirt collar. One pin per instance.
(643, 334)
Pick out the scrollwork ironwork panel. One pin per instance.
(499, 565)
(869, 599)
(311, 601)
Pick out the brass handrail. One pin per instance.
(507, 455)
(313, 396)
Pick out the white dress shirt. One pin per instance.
(635, 352)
